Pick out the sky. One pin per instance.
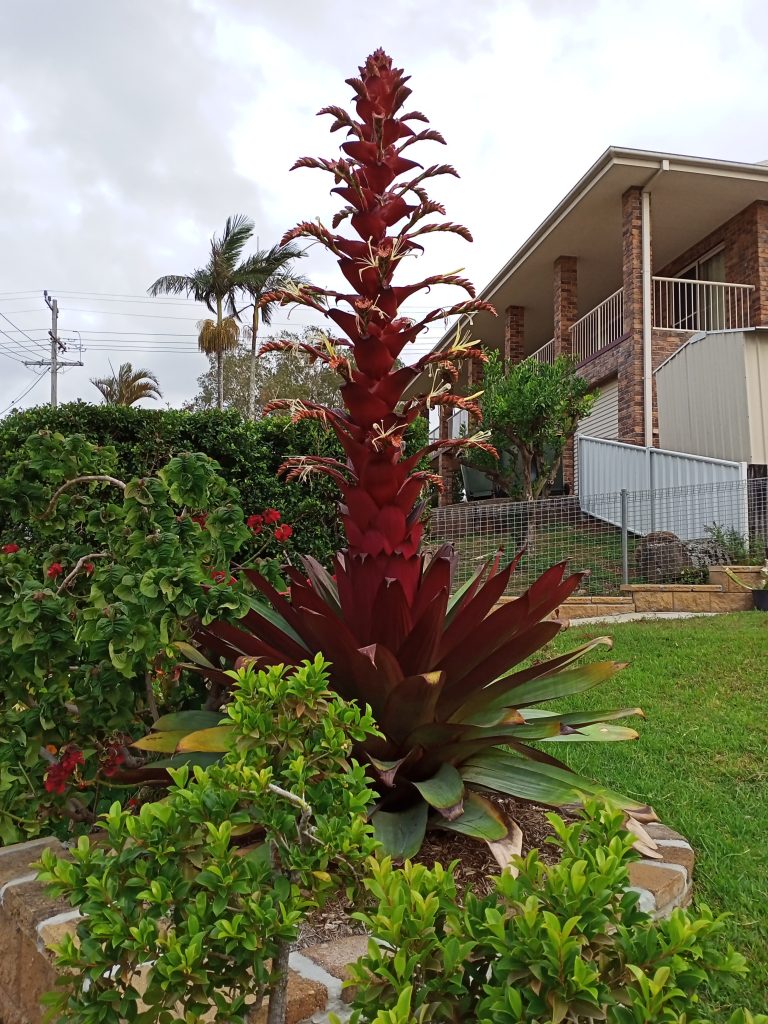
(131, 129)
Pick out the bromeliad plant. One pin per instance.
(444, 675)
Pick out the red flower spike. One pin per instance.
(54, 570)
(439, 673)
(10, 549)
(282, 533)
(255, 523)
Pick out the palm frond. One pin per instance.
(128, 386)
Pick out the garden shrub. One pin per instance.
(211, 883)
(248, 452)
(560, 942)
(100, 578)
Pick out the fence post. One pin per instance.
(652, 487)
(624, 544)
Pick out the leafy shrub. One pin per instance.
(209, 884)
(562, 942)
(248, 454)
(100, 579)
(736, 545)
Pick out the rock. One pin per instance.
(661, 557)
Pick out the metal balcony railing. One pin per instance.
(545, 354)
(680, 304)
(600, 327)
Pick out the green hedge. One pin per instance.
(249, 454)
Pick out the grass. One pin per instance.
(701, 760)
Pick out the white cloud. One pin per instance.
(132, 130)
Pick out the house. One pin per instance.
(649, 253)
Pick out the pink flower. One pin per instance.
(282, 533)
(11, 549)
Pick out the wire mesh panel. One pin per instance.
(633, 537)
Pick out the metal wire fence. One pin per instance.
(660, 536)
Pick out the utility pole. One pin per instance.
(56, 344)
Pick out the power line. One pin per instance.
(19, 330)
(24, 394)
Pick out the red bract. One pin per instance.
(282, 533)
(10, 549)
(54, 570)
(446, 674)
(271, 515)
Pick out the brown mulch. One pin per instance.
(474, 871)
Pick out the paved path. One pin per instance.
(641, 617)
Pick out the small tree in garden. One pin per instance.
(100, 579)
(444, 674)
(530, 410)
(210, 885)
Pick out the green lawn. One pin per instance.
(701, 760)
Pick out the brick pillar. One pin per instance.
(631, 353)
(475, 375)
(759, 297)
(514, 331)
(566, 302)
(446, 461)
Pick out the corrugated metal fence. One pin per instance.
(607, 467)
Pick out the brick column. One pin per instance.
(514, 330)
(446, 461)
(566, 302)
(631, 354)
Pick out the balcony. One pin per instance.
(681, 304)
(599, 328)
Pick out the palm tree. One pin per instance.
(268, 272)
(127, 386)
(217, 285)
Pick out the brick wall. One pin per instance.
(745, 241)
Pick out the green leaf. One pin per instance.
(444, 791)
(194, 760)
(401, 833)
(599, 732)
(503, 772)
(188, 721)
(219, 739)
(480, 819)
(161, 742)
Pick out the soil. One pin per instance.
(474, 870)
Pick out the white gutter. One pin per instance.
(647, 277)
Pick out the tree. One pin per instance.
(267, 272)
(217, 284)
(127, 386)
(530, 410)
(250, 384)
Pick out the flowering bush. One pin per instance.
(99, 581)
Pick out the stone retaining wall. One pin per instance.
(30, 922)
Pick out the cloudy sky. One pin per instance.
(130, 129)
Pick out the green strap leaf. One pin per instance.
(188, 721)
(401, 833)
(480, 819)
(219, 739)
(444, 791)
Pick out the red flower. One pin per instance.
(255, 523)
(11, 549)
(218, 575)
(59, 774)
(282, 533)
(115, 757)
(55, 569)
(89, 567)
(271, 515)
(200, 519)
